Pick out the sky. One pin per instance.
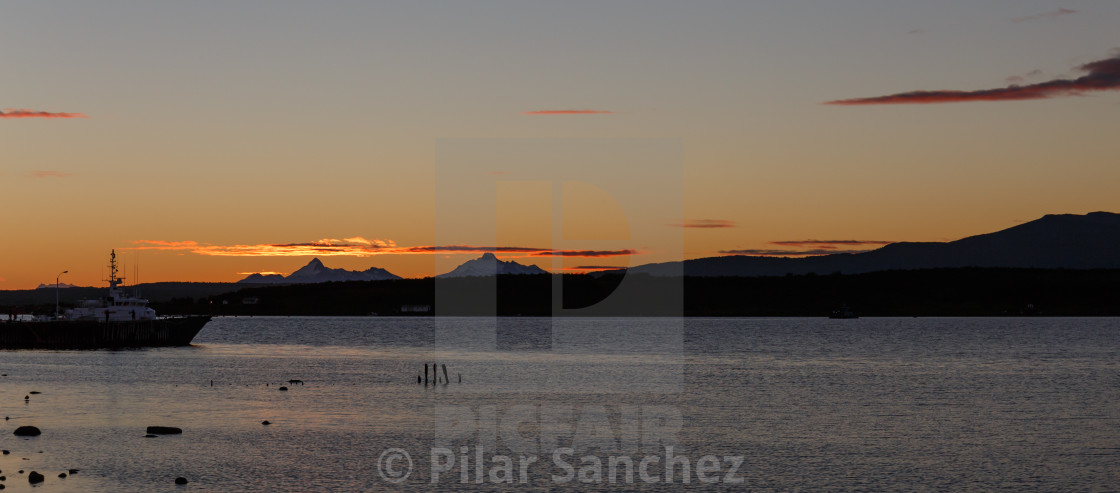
(206, 140)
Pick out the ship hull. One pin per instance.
(176, 331)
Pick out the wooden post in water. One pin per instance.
(445, 379)
(425, 374)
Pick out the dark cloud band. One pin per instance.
(705, 223)
(1103, 75)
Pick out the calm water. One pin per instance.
(949, 404)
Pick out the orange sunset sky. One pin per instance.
(208, 140)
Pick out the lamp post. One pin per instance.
(56, 291)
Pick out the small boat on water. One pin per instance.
(843, 312)
(118, 320)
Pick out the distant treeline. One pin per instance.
(933, 292)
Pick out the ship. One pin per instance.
(119, 320)
(843, 312)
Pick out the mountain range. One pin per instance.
(315, 272)
(1056, 241)
(60, 285)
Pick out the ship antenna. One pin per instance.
(113, 279)
(113, 266)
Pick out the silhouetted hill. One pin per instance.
(1065, 241)
(928, 292)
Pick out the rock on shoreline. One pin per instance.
(27, 431)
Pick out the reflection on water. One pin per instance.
(815, 404)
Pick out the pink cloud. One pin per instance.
(809, 248)
(828, 244)
(50, 174)
(1048, 15)
(705, 223)
(588, 268)
(585, 253)
(529, 251)
(761, 252)
(359, 247)
(22, 113)
(569, 112)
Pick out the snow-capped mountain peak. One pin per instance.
(489, 265)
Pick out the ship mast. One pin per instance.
(113, 279)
